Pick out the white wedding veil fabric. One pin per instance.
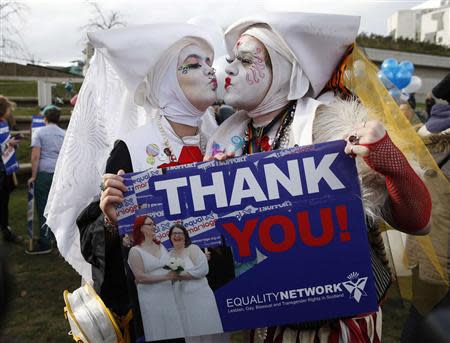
(113, 100)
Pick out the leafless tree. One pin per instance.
(102, 20)
(12, 45)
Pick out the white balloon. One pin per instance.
(414, 85)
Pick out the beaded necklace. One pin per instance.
(168, 148)
(257, 139)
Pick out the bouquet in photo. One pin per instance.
(175, 264)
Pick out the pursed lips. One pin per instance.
(227, 82)
(213, 82)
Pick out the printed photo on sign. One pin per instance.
(261, 240)
(174, 296)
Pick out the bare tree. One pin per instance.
(12, 45)
(101, 20)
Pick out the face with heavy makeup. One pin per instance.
(249, 74)
(196, 76)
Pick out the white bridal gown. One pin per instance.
(159, 312)
(196, 302)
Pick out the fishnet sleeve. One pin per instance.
(409, 196)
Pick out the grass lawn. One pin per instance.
(35, 312)
(36, 307)
(29, 111)
(23, 151)
(29, 89)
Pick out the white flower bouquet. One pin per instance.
(175, 264)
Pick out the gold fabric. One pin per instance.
(427, 254)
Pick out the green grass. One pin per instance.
(18, 88)
(29, 111)
(26, 111)
(23, 151)
(36, 308)
(29, 89)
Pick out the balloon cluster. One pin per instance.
(398, 78)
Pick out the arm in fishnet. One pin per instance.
(408, 194)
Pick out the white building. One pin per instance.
(428, 22)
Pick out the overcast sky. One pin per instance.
(52, 30)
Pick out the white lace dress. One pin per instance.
(160, 316)
(195, 299)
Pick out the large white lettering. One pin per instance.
(314, 175)
(291, 183)
(245, 175)
(217, 189)
(171, 187)
(260, 187)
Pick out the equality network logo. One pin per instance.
(355, 286)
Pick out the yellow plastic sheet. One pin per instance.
(427, 255)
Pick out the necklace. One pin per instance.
(257, 139)
(168, 150)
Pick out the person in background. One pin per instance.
(433, 327)
(412, 100)
(442, 89)
(439, 119)
(6, 181)
(45, 147)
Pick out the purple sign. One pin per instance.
(8, 155)
(294, 225)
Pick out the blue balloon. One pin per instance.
(402, 79)
(389, 64)
(390, 75)
(407, 65)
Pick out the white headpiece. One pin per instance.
(312, 44)
(161, 89)
(123, 74)
(288, 80)
(316, 41)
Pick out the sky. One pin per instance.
(53, 30)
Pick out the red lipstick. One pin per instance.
(227, 82)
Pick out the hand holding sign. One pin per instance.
(112, 194)
(364, 133)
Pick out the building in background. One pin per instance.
(427, 22)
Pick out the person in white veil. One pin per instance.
(278, 68)
(159, 73)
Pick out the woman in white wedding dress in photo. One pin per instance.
(147, 259)
(195, 299)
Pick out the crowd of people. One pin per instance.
(285, 82)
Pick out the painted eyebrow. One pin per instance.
(193, 56)
(244, 54)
